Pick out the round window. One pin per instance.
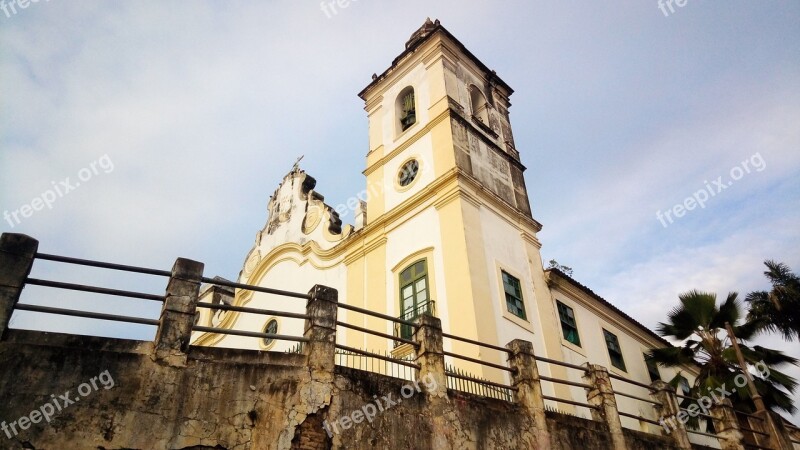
(270, 328)
(408, 173)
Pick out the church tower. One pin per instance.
(448, 211)
(437, 93)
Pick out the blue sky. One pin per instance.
(202, 107)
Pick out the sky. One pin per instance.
(139, 132)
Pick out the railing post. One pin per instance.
(727, 426)
(601, 395)
(669, 409)
(428, 335)
(17, 252)
(320, 330)
(429, 354)
(529, 390)
(177, 314)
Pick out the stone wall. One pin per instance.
(62, 391)
(237, 399)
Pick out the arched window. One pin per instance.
(406, 108)
(414, 294)
(480, 109)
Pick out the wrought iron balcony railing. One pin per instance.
(406, 331)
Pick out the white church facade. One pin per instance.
(446, 229)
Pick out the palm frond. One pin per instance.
(729, 312)
(700, 306)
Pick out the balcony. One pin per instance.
(407, 331)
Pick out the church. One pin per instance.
(445, 228)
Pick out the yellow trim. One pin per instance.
(356, 296)
(408, 142)
(424, 253)
(286, 252)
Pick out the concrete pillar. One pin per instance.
(727, 426)
(529, 390)
(601, 395)
(177, 314)
(663, 393)
(17, 252)
(779, 438)
(432, 381)
(320, 329)
(429, 354)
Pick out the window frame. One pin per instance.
(606, 335)
(574, 325)
(651, 365)
(520, 298)
(414, 279)
(265, 343)
(400, 188)
(684, 385)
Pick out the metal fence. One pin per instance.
(461, 380)
(384, 362)
(387, 365)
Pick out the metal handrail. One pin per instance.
(102, 265)
(280, 337)
(687, 398)
(638, 398)
(569, 402)
(753, 431)
(559, 363)
(375, 314)
(567, 382)
(471, 341)
(85, 314)
(377, 333)
(634, 416)
(748, 415)
(696, 413)
(689, 430)
(425, 307)
(375, 355)
(478, 361)
(428, 307)
(244, 309)
(250, 287)
(94, 289)
(628, 380)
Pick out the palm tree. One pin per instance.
(778, 309)
(700, 325)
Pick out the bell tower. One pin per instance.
(447, 196)
(439, 100)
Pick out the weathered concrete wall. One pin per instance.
(240, 399)
(222, 399)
